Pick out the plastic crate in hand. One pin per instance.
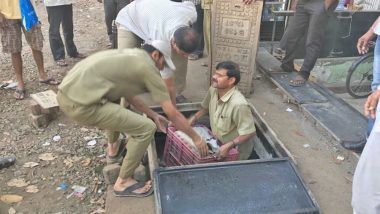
(177, 152)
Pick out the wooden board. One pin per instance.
(46, 99)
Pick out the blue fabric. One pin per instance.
(376, 79)
(376, 65)
(28, 14)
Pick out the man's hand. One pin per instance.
(371, 104)
(249, 1)
(191, 120)
(161, 122)
(2, 20)
(363, 42)
(224, 150)
(202, 146)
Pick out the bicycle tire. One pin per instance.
(362, 87)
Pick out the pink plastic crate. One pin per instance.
(177, 153)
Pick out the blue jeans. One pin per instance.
(376, 78)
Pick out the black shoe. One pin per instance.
(355, 146)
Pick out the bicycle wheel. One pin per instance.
(359, 77)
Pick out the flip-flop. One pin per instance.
(19, 94)
(118, 158)
(128, 192)
(297, 82)
(50, 81)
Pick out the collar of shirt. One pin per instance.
(228, 95)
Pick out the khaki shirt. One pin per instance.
(230, 116)
(112, 74)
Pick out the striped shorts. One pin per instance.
(11, 36)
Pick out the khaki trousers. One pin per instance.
(127, 39)
(207, 30)
(114, 117)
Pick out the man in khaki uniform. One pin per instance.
(89, 94)
(230, 115)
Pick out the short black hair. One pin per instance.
(186, 39)
(150, 48)
(232, 68)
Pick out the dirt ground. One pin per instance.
(77, 164)
(74, 163)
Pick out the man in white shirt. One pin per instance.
(147, 20)
(61, 11)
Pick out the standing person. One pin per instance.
(90, 92)
(363, 47)
(365, 185)
(310, 18)
(169, 21)
(231, 118)
(61, 11)
(111, 9)
(10, 30)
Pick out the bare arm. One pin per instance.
(181, 123)
(223, 152)
(160, 121)
(363, 41)
(169, 82)
(197, 115)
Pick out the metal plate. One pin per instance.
(254, 186)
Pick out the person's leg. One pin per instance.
(120, 5)
(12, 43)
(110, 12)
(35, 39)
(140, 129)
(207, 31)
(296, 30)
(126, 39)
(55, 15)
(180, 73)
(314, 41)
(198, 27)
(68, 30)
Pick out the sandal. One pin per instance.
(79, 56)
(19, 94)
(128, 192)
(298, 81)
(50, 81)
(61, 62)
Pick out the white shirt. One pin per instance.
(52, 3)
(366, 183)
(376, 30)
(156, 19)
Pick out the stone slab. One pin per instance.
(46, 99)
(130, 205)
(306, 94)
(235, 35)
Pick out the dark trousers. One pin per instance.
(57, 15)
(311, 20)
(111, 9)
(198, 26)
